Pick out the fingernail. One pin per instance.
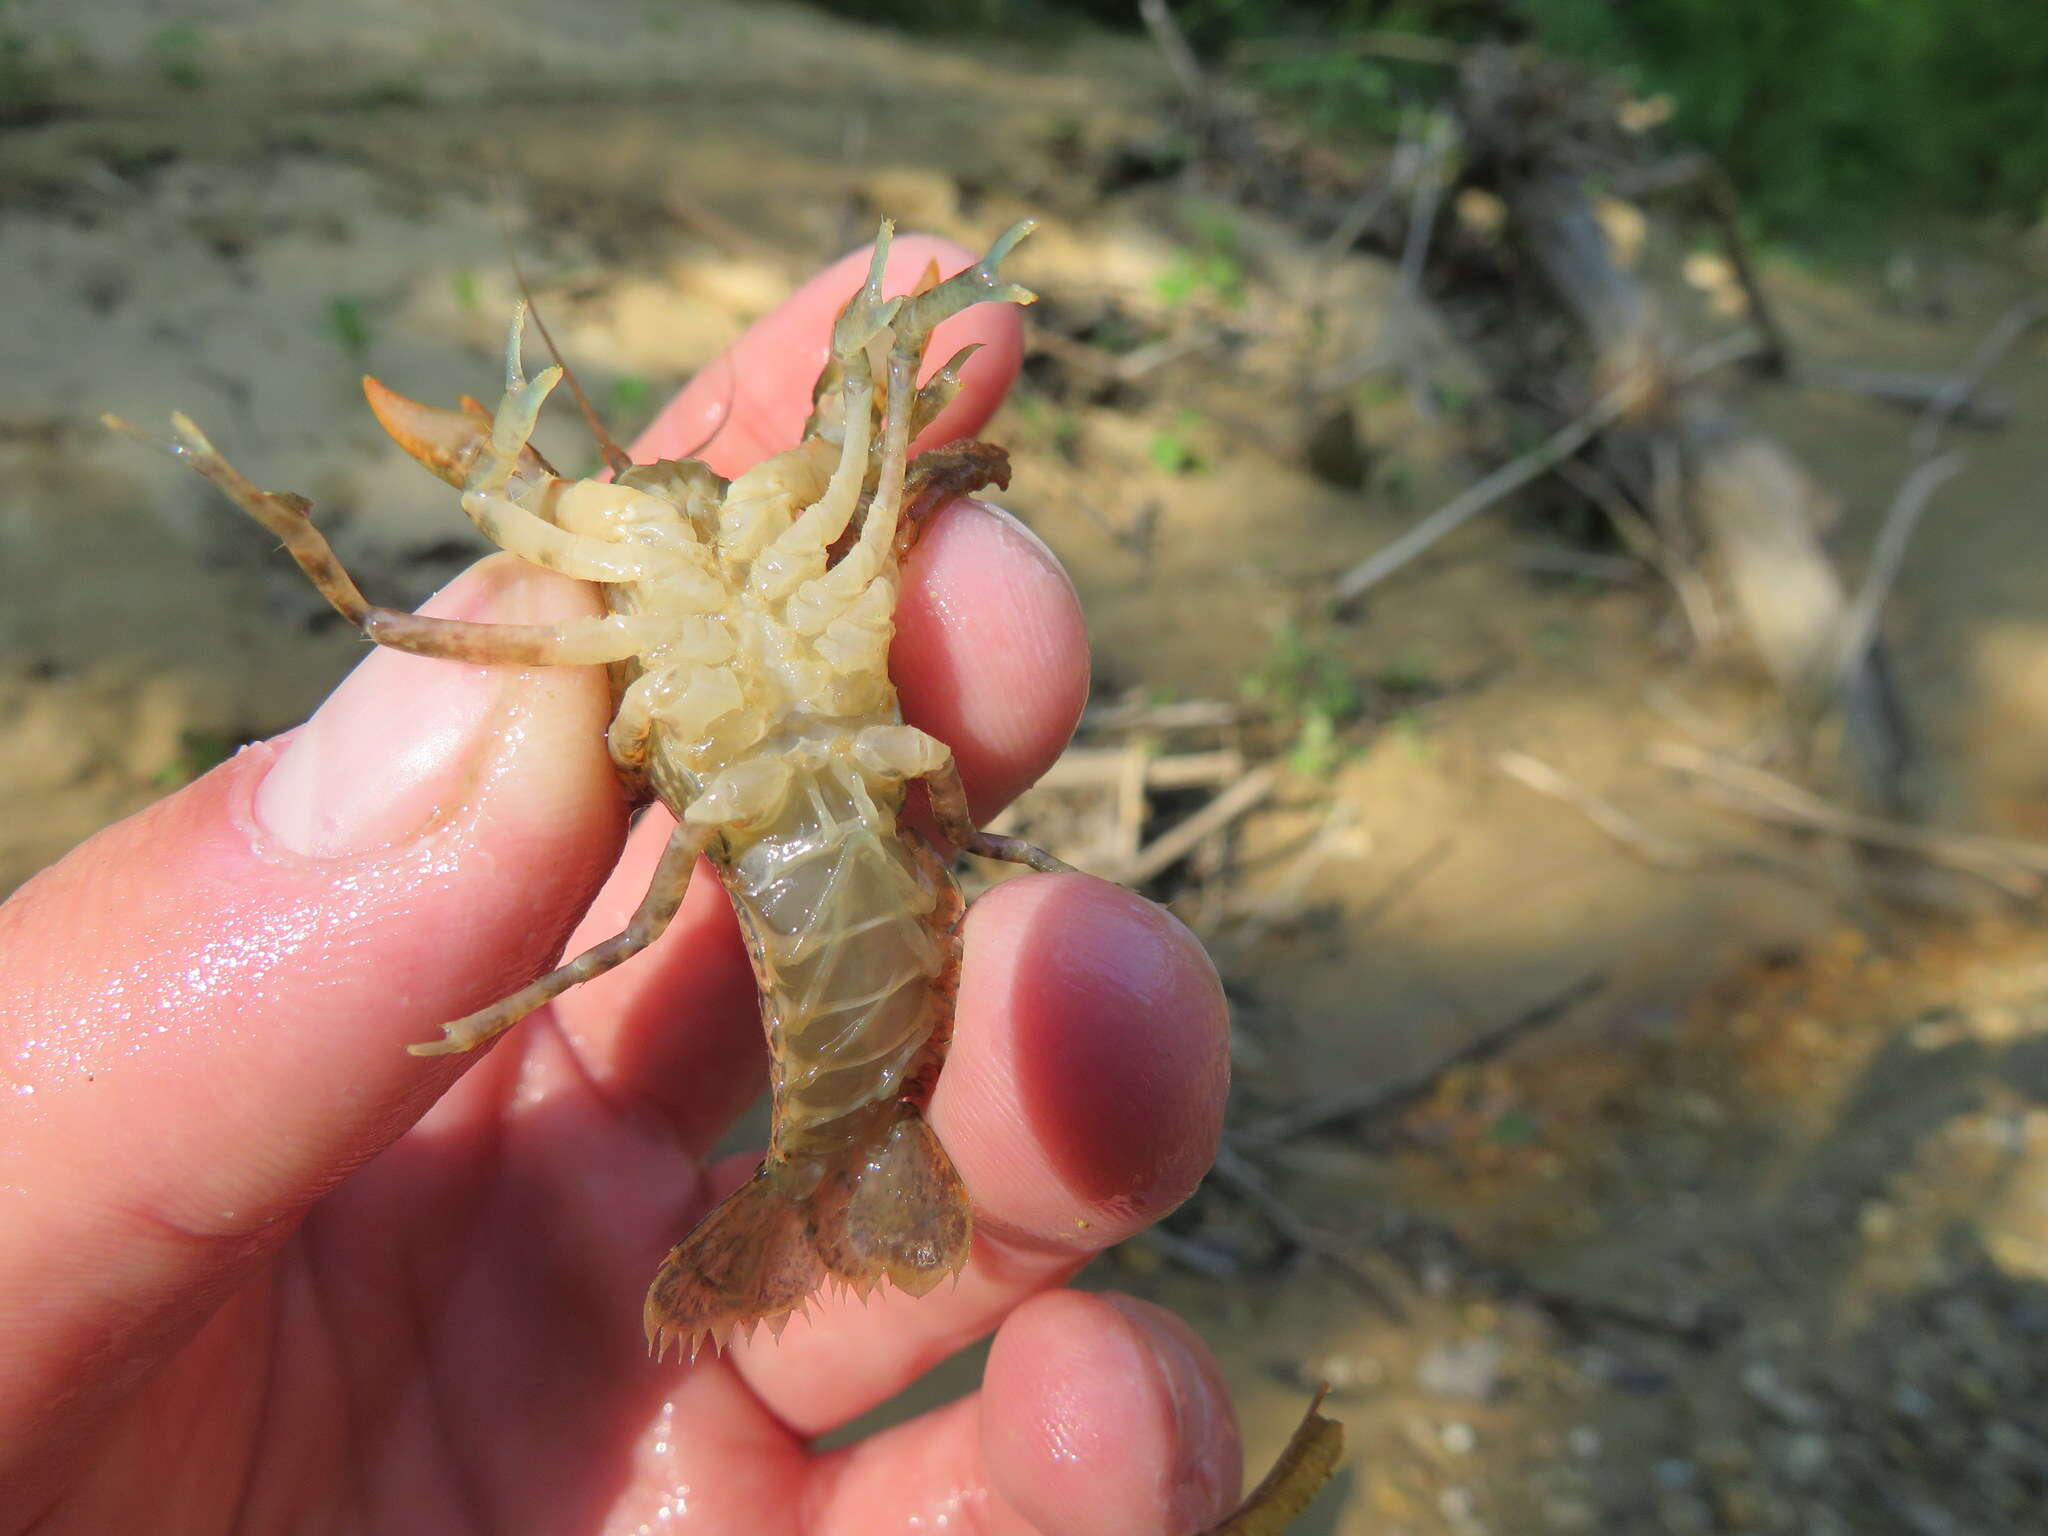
(401, 742)
(1017, 525)
(1208, 1463)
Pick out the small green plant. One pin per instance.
(179, 49)
(1397, 481)
(1451, 398)
(1066, 435)
(1208, 268)
(1410, 736)
(1513, 1128)
(348, 325)
(631, 398)
(1201, 274)
(1308, 687)
(1172, 450)
(1315, 751)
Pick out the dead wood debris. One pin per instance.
(1610, 818)
(2017, 868)
(1096, 804)
(1170, 847)
(1912, 390)
(1236, 1174)
(1959, 392)
(1699, 178)
(1641, 422)
(1525, 468)
(1720, 493)
(1859, 623)
(1724, 513)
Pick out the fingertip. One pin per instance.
(407, 742)
(991, 650)
(1106, 1414)
(1083, 1097)
(469, 846)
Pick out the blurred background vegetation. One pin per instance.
(1833, 115)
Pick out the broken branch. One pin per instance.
(1518, 472)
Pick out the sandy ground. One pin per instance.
(1753, 1238)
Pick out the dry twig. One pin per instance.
(1143, 715)
(1859, 624)
(1911, 390)
(1190, 1253)
(1102, 767)
(1404, 883)
(1604, 814)
(2017, 868)
(1437, 145)
(1285, 898)
(1695, 595)
(1518, 472)
(1236, 1174)
(1716, 195)
(1175, 844)
(1367, 1100)
(1563, 560)
(1173, 44)
(2004, 335)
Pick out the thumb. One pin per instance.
(203, 1010)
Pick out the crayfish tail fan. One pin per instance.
(749, 1261)
(898, 1213)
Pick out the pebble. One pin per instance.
(1467, 1368)
(1912, 1402)
(1785, 1402)
(1674, 1474)
(1569, 1515)
(1805, 1456)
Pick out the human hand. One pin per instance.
(262, 1270)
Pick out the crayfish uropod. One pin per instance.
(747, 630)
